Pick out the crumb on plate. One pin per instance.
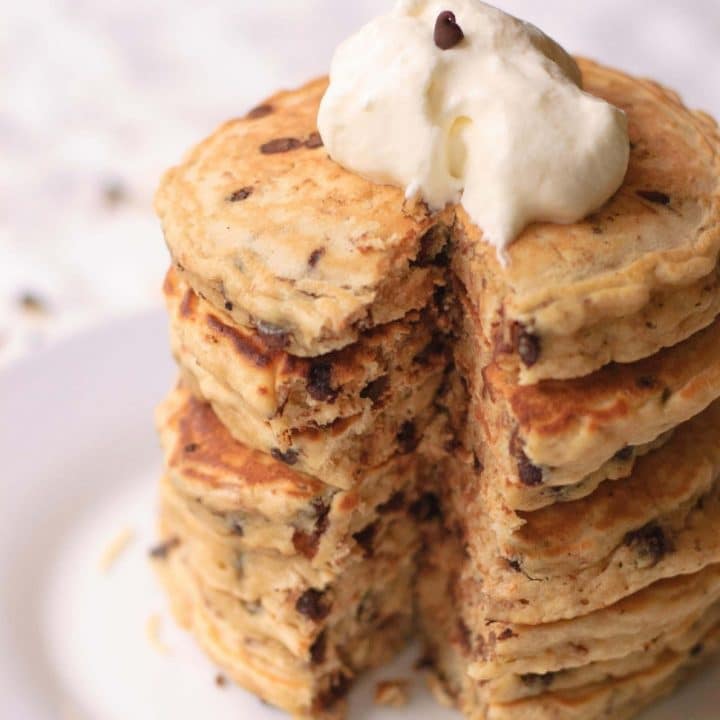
(116, 547)
(392, 693)
(152, 630)
(439, 690)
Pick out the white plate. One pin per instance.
(79, 465)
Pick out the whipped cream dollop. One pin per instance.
(476, 107)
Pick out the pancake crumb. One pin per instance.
(152, 631)
(392, 693)
(439, 690)
(32, 303)
(220, 680)
(113, 551)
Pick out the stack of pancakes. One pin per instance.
(374, 413)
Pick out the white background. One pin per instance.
(97, 98)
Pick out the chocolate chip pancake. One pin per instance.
(556, 433)
(341, 452)
(286, 598)
(610, 649)
(582, 692)
(287, 393)
(263, 223)
(571, 558)
(313, 684)
(249, 500)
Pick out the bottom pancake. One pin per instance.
(295, 647)
(616, 687)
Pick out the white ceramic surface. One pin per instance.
(80, 463)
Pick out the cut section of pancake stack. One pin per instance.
(374, 414)
(581, 542)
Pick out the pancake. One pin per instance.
(584, 691)
(496, 648)
(258, 218)
(572, 558)
(634, 623)
(286, 598)
(678, 480)
(618, 698)
(557, 433)
(250, 569)
(699, 642)
(340, 452)
(248, 500)
(311, 685)
(288, 393)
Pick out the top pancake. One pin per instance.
(297, 245)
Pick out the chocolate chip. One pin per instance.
(433, 349)
(311, 604)
(280, 145)
(315, 256)
(191, 447)
(625, 453)
(506, 634)
(646, 382)
(235, 527)
(289, 457)
(666, 395)
(314, 141)
(394, 504)
(407, 437)
(424, 662)
(161, 551)
(654, 196)
(276, 337)
(319, 382)
(260, 111)
(477, 464)
(426, 508)
(530, 475)
(32, 303)
(447, 32)
(697, 650)
(528, 347)
(307, 543)
(376, 389)
(241, 194)
(365, 538)
(650, 542)
(229, 306)
(544, 680)
(318, 650)
(339, 687)
(220, 680)
(515, 565)
(464, 636)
